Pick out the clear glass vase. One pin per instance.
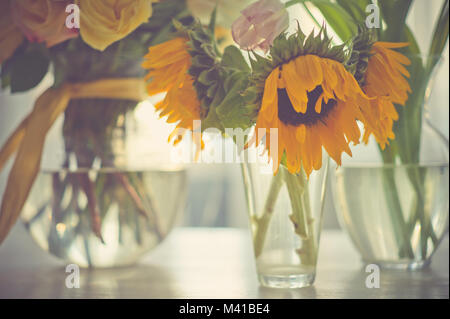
(396, 213)
(285, 213)
(392, 222)
(107, 192)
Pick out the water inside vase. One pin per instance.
(390, 218)
(105, 217)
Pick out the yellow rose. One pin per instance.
(10, 35)
(103, 22)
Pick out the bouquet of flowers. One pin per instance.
(303, 96)
(94, 51)
(313, 93)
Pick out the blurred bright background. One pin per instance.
(215, 194)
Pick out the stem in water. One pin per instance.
(261, 223)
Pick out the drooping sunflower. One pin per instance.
(385, 80)
(177, 67)
(305, 91)
(169, 63)
(382, 75)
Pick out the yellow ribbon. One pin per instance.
(29, 137)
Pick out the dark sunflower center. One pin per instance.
(288, 115)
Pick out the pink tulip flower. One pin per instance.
(259, 24)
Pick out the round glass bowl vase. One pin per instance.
(107, 192)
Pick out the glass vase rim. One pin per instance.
(118, 169)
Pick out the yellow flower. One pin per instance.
(10, 35)
(385, 84)
(168, 64)
(314, 102)
(103, 22)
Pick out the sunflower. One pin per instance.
(381, 73)
(309, 96)
(168, 65)
(186, 68)
(386, 84)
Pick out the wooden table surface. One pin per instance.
(213, 263)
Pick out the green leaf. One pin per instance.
(212, 120)
(208, 77)
(5, 68)
(413, 45)
(233, 111)
(356, 8)
(338, 18)
(233, 58)
(5, 74)
(394, 14)
(59, 77)
(6, 81)
(212, 21)
(440, 38)
(28, 68)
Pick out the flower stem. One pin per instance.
(298, 188)
(88, 188)
(261, 223)
(398, 222)
(309, 247)
(426, 230)
(147, 196)
(131, 191)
